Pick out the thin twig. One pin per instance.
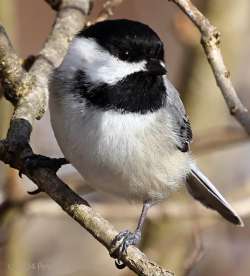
(106, 12)
(210, 40)
(196, 254)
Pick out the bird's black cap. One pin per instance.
(126, 39)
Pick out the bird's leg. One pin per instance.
(127, 238)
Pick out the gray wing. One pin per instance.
(181, 121)
(198, 185)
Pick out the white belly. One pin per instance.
(129, 155)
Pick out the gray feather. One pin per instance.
(180, 119)
(201, 188)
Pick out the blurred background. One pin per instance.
(38, 239)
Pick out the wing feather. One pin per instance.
(180, 118)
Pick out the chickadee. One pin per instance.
(121, 123)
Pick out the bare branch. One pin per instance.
(210, 40)
(12, 74)
(69, 20)
(107, 11)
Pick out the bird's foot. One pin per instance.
(35, 161)
(121, 243)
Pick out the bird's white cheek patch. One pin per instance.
(97, 63)
(111, 70)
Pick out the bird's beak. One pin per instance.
(156, 67)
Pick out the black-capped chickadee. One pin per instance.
(121, 123)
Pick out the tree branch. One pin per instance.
(31, 95)
(106, 12)
(210, 40)
(12, 74)
(107, 9)
(70, 19)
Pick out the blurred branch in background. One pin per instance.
(222, 138)
(197, 252)
(43, 207)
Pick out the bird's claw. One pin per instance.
(124, 239)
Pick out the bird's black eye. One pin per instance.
(124, 55)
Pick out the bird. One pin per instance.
(121, 123)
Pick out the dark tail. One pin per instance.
(201, 188)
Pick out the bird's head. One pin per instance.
(111, 50)
(122, 57)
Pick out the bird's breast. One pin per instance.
(128, 154)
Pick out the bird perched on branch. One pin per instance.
(121, 123)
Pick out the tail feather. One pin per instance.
(201, 188)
